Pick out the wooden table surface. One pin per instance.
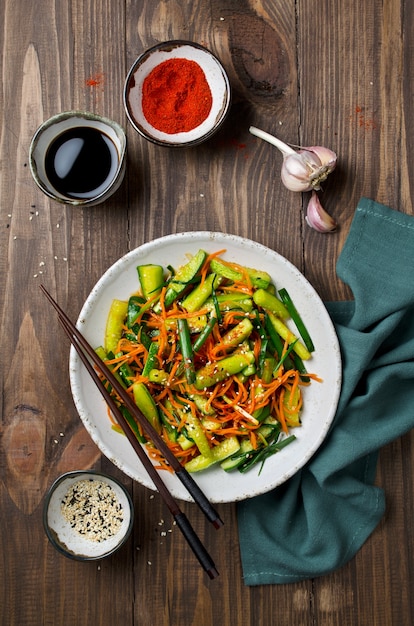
(328, 72)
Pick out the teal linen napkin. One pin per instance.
(318, 520)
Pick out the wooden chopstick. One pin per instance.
(180, 518)
(181, 473)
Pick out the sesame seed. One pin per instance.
(92, 509)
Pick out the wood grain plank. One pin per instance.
(356, 70)
(221, 185)
(47, 242)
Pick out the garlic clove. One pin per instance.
(317, 218)
(319, 170)
(295, 173)
(327, 157)
(302, 171)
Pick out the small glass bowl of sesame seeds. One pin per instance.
(87, 515)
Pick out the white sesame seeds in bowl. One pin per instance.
(87, 515)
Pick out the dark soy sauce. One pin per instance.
(81, 162)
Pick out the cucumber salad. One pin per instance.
(206, 352)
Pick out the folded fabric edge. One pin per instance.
(376, 509)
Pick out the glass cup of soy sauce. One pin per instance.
(78, 158)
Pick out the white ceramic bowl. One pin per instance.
(54, 128)
(216, 78)
(320, 399)
(73, 529)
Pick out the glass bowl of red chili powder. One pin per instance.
(177, 93)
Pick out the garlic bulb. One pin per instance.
(316, 216)
(303, 169)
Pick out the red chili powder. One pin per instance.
(94, 81)
(176, 96)
(364, 122)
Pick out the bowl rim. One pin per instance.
(51, 536)
(165, 45)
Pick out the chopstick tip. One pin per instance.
(218, 523)
(213, 573)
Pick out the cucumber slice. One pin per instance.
(218, 453)
(291, 402)
(145, 402)
(196, 433)
(234, 460)
(159, 377)
(213, 373)
(258, 278)
(239, 333)
(151, 278)
(114, 324)
(271, 303)
(152, 360)
(185, 443)
(229, 302)
(182, 278)
(197, 297)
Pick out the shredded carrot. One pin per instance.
(253, 439)
(257, 348)
(219, 390)
(162, 300)
(281, 412)
(314, 377)
(239, 288)
(162, 340)
(173, 351)
(111, 417)
(174, 369)
(161, 463)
